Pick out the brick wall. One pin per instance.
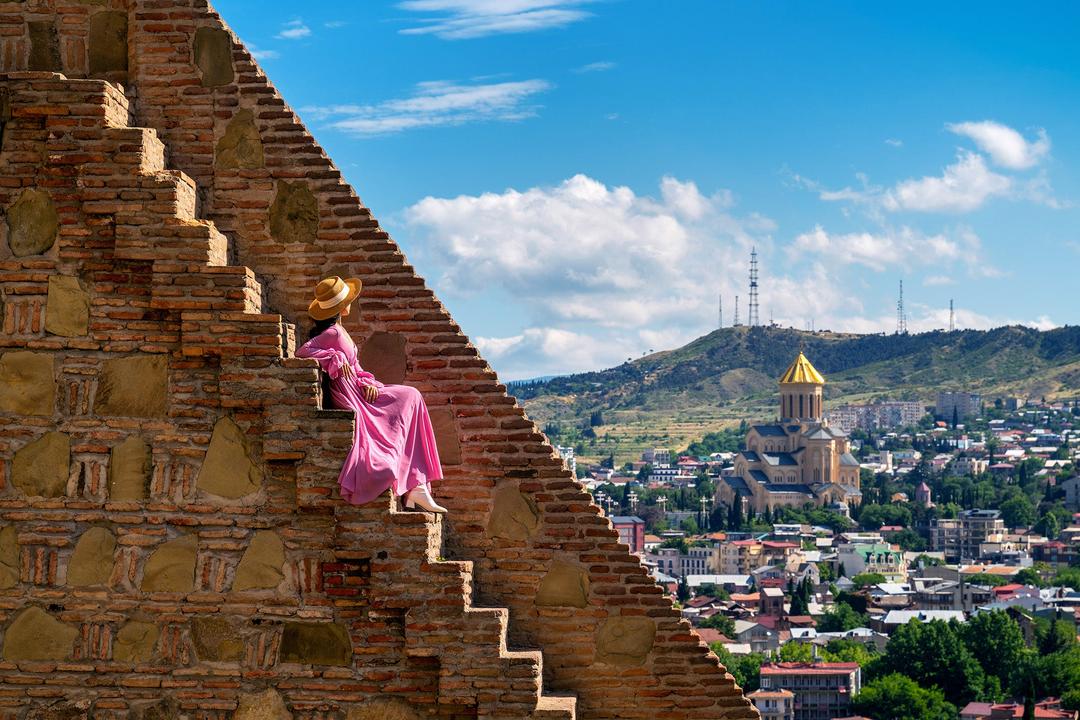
(146, 222)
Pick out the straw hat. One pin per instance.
(332, 295)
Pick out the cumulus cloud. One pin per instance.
(468, 19)
(436, 103)
(964, 186)
(294, 30)
(1005, 146)
(892, 248)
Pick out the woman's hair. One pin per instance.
(322, 325)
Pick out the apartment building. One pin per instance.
(774, 704)
(961, 537)
(823, 691)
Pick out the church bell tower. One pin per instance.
(801, 392)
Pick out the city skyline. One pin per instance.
(576, 196)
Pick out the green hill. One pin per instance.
(669, 398)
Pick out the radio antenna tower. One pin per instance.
(952, 317)
(721, 312)
(754, 320)
(736, 311)
(901, 318)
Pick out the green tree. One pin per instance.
(1018, 512)
(1068, 577)
(840, 618)
(720, 622)
(746, 669)
(986, 579)
(933, 654)
(995, 640)
(863, 580)
(683, 591)
(1029, 576)
(896, 697)
(849, 651)
(796, 652)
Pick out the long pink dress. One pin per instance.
(394, 443)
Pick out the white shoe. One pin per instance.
(421, 496)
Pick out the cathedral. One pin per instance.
(797, 460)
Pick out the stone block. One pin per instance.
(213, 56)
(171, 567)
(27, 386)
(564, 585)
(216, 640)
(383, 708)
(134, 386)
(67, 311)
(92, 562)
(513, 516)
(228, 469)
(267, 705)
(9, 557)
(383, 355)
(294, 214)
(129, 470)
(316, 644)
(32, 223)
(241, 146)
(36, 635)
(446, 435)
(625, 640)
(108, 42)
(261, 566)
(135, 642)
(40, 468)
(44, 46)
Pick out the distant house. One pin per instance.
(631, 531)
(1072, 492)
(1049, 709)
(774, 704)
(822, 690)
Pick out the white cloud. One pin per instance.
(467, 19)
(595, 67)
(1006, 147)
(894, 142)
(896, 248)
(262, 54)
(294, 30)
(334, 24)
(437, 103)
(937, 280)
(627, 271)
(963, 186)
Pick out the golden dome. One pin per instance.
(802, 372)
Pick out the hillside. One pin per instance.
(671, 397)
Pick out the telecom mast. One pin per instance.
(754, 320)
(952, 317)
(736, 311)
(901, 318)
(721, 312)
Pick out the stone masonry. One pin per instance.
(171, 540)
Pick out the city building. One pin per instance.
(823, 691)
(957, 404)
(923, 495)
(657, 456)
(631, 531)
(960, 538)
(876, 416)
(970, 466)
(1049, 709)
(774, 704)
(567, 454)
(858, 558)
(799, 459)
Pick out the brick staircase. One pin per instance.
(222, 320)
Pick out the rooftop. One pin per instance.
(802, 372)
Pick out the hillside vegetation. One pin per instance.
(670, 398)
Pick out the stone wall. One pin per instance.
(157, 352)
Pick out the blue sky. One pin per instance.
(580, 181)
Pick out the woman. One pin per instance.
(394, 444)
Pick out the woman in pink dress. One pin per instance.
(394, 444)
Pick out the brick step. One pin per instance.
(556, 707)
(178, 241)
(226, 288)
(232, 334)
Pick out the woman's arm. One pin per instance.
(333, 362)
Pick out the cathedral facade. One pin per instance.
(797, 460)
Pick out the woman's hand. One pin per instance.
(347, 372)
(371, 393)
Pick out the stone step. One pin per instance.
(556, 707)
(182, 241)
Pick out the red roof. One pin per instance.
(796, 668)
(710, 636)
(778, 544)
